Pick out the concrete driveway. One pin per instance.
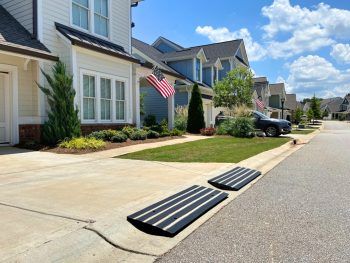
(47, 201)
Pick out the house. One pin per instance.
(261, 91)
(332, 107)
(291, 106)
(93, 38)
(344, 110)
(203, 64)
(278, 96)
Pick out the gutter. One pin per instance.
(27, 52)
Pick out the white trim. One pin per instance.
(24, 56)
(29, 120)
(159, 39)
(13, 75)
(7, 108)
(41, 96)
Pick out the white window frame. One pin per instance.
(115, 101)
(108, 19)
(200, 70)
(113, 78)
(110, 100)
(91, 20)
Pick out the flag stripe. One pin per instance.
(260, 104)
(160, 83)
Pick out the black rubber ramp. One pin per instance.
(173, 214)
(234, 179)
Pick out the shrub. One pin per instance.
(105, 135)
(128, 130)
(208, 131)
(150, 120)
(242, 111)
(152, 134)
(181, 116)
(195, 121)
(165, 133)
(176, 132)
(119, 137)
(82, 143)
(63, 119)
(226, 127)
(243, 127)
(138, 134)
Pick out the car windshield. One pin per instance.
(259, 114)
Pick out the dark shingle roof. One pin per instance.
(15, 38)
(175, 44)
(333, 104)
(88, 41)
(155, 55)
(187, 52)
(276, 89)
(291, 101)
(260, 80)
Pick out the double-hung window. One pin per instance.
(89, 97)
(80, 13)
(106, 99)
(120, 100)
(101, 17)
(98, 13)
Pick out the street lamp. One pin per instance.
(282, 102)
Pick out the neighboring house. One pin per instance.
(344, 110)
(261, 91)
(291, 105)
(93, 38)
(278, 93)
(332, 107)
(204, 65)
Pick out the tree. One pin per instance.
(63, 119)
(195, 121)
(298, 114)
(315, 106)
(310, 115)
(235, 89)
(325, 114)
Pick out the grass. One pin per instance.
(302, 131)
(217, 149)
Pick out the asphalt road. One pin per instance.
(299, 212)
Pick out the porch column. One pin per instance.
(171, 112)
(137, 103)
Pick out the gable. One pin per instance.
(165, 46)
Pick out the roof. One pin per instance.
(291, 101)
(277, 89)
(333, 104)
(260, 80)
(187, 52)
(88, 41)
(15, 38)
(155, 55)
(167, 40)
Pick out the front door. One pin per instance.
(4, 109)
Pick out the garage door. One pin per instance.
(4, 114)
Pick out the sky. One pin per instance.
(305, 44)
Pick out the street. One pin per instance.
(299, 212)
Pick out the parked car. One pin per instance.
(271, 127)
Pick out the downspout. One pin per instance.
(35, 19)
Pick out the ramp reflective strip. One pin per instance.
(234, 179)
(225, 175)
(169, 216)
(235, 176)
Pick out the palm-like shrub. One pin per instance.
(195, 121)
(63, 119)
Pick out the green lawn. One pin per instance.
(303, 131)
(216, 149)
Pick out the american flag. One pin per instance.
(260, 104)
(161, 84)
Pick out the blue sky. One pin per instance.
(303, 43)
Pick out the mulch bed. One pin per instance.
(109, 146)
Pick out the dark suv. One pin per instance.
(271, 127)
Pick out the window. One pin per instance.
(89, 97)
(101, 17)
(215, 74)
(106, 99)
(80, 10)
(120, 100)
(198, 69)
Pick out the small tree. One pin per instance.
(315, 105)
(310, 115)
(63, 116)
(325, 114)
(235, 89)
(298, 114)
(195, 121)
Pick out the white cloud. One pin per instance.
(307, 29)
(255, 51)
(314, 74)
(341, 53)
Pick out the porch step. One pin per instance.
(234, 179)
(173, 214)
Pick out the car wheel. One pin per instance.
(271, 131)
